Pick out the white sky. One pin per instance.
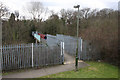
(57, 5)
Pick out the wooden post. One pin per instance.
(36, 39)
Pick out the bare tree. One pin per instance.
(46, 11)
(36, 9)
(63, 13)
(3, 10)
(93, 13)
(51, 12)
(85, 12)
(17, 14)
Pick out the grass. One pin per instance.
(95, 70)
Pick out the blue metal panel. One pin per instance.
(37, 37)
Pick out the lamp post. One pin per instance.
(76, 59)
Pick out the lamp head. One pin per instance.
(77, 6)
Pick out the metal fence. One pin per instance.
(86, 51)
(70, 44)
(30, 55)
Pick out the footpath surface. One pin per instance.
(69, 65)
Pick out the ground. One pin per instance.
(68, 66)
(87, 69)
(95, 70)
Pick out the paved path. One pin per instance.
(69, 65)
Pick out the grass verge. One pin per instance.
(95, 70)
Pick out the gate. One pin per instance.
(86, 50)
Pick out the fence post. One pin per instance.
(63, 53)
(80, 54)
(1, 61)
(61, 48)
(32, 56)
(81, 44)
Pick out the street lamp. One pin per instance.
(76, 59)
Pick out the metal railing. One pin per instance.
(30, 55)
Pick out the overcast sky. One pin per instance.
(56, 5)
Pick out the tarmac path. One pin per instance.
(69, 64)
